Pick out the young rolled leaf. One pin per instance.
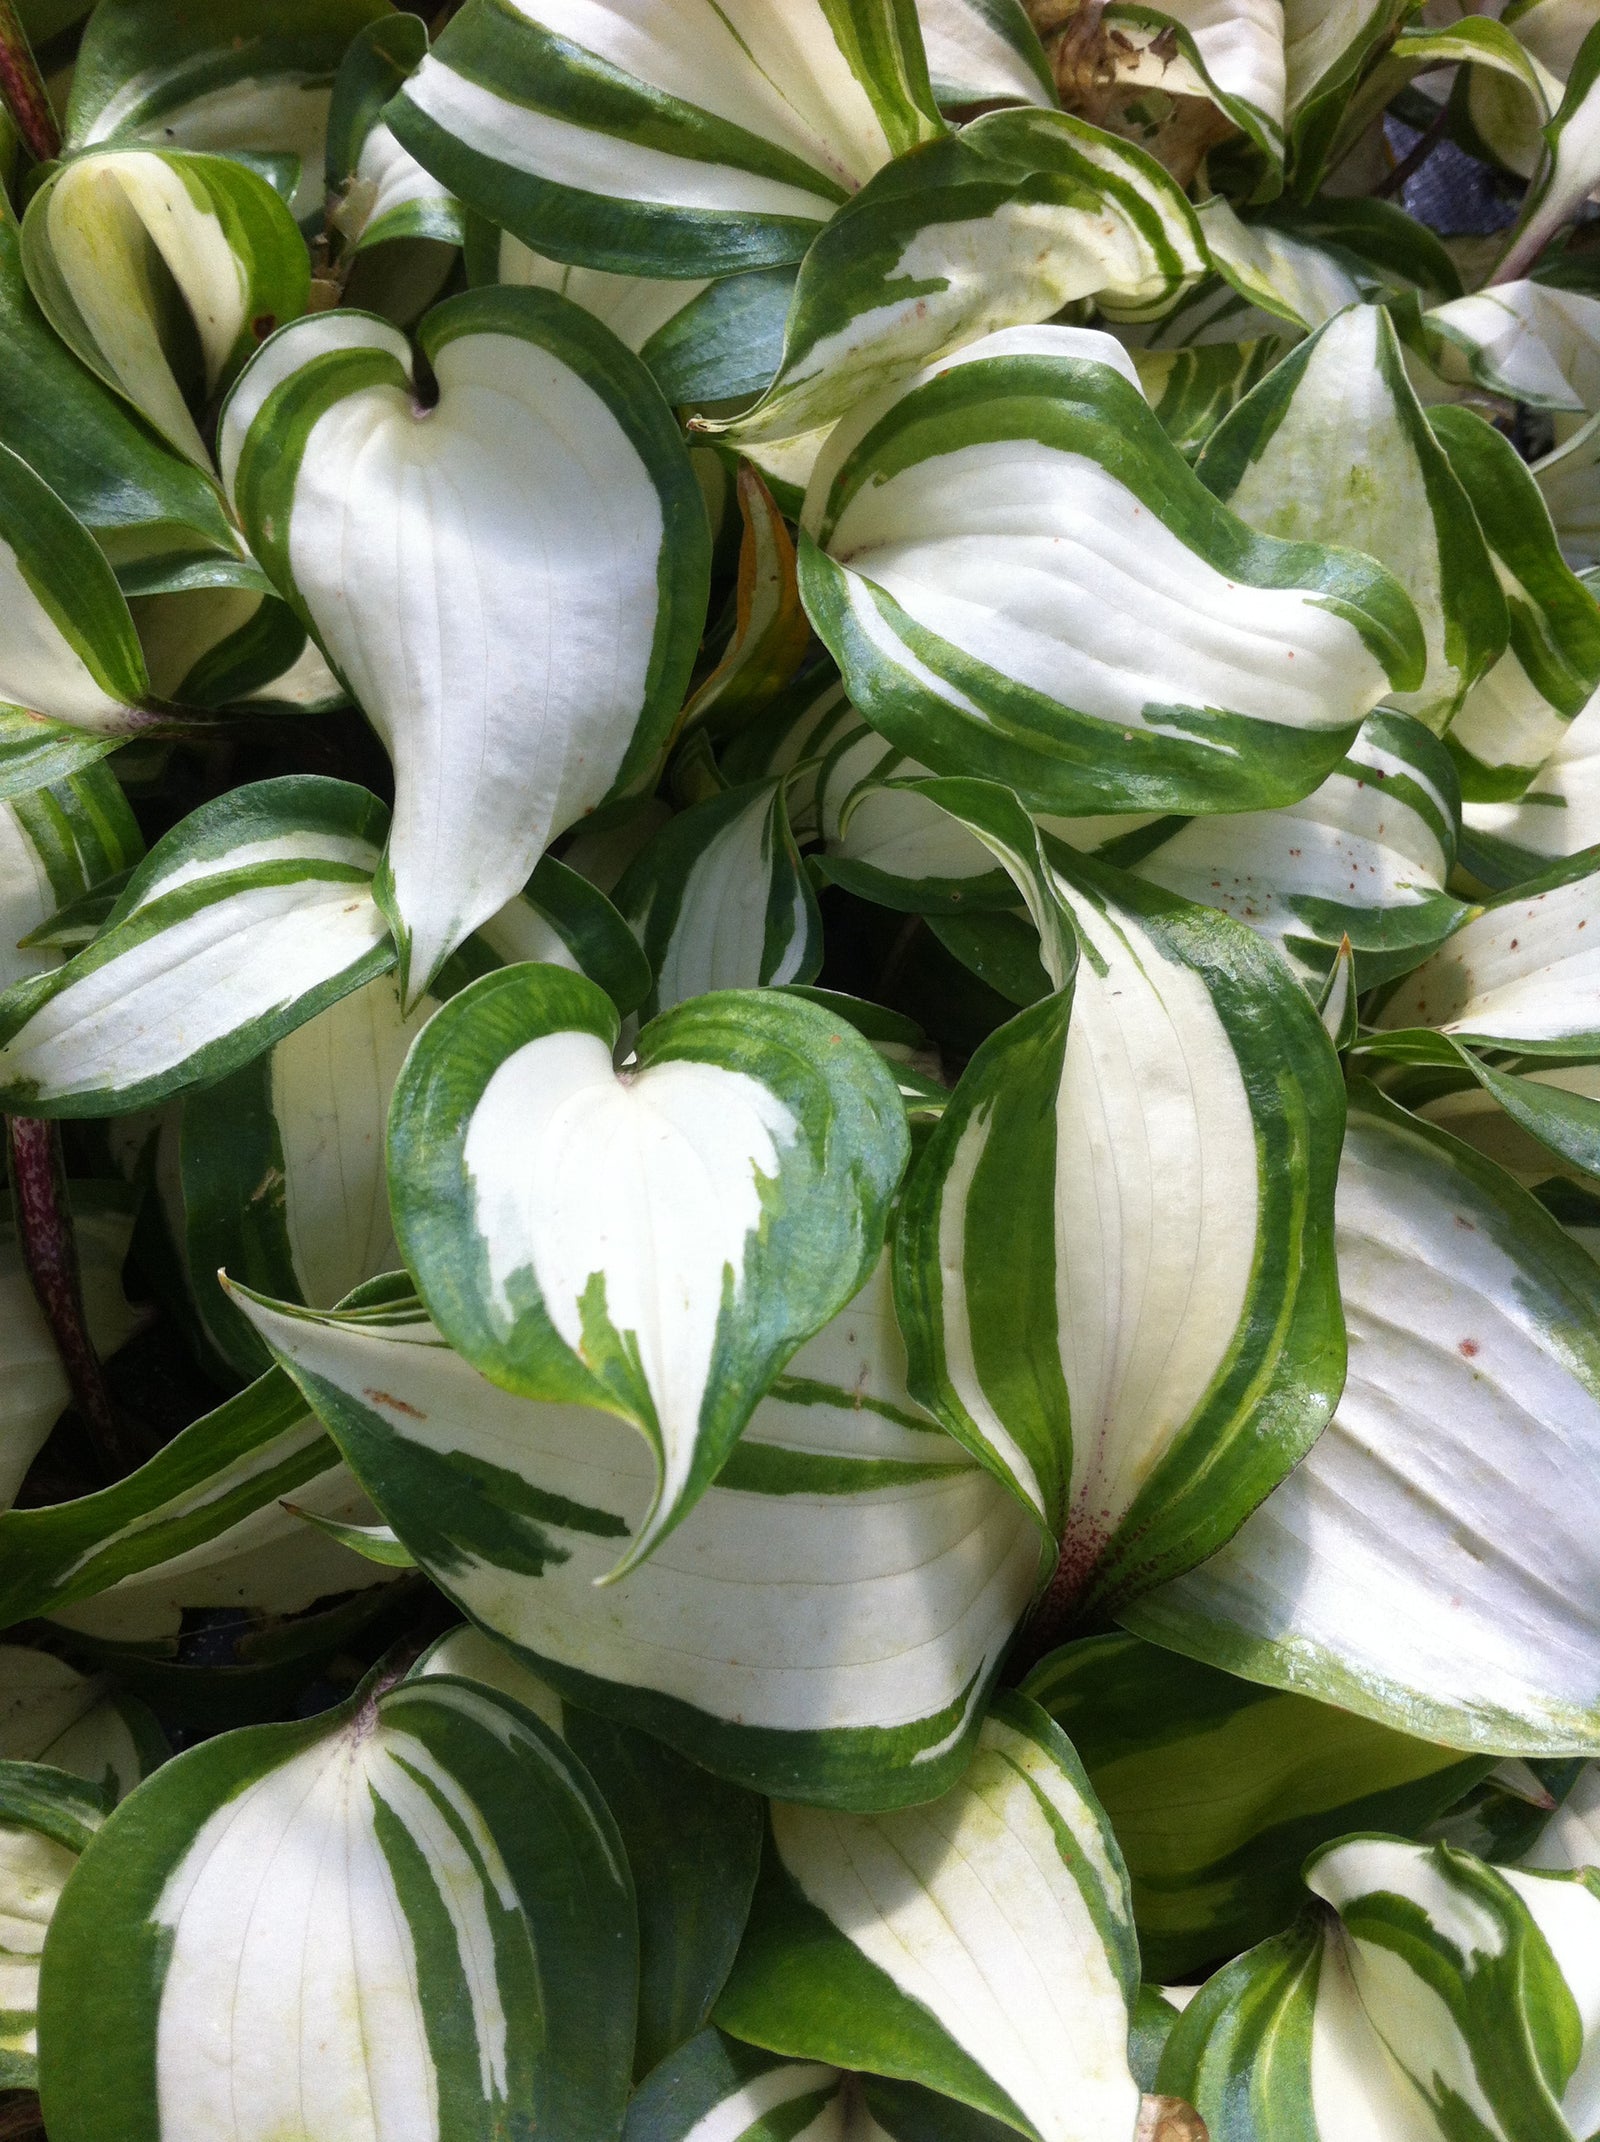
(417, 1903)
(50, 1713)
(1113, 1260)
(1019, 215)
(1520, 975)
(1514, 716)
(1403, 1570)
(826, 1622)
(1192, 389)
(156, 516)
(1217, 1789)
(693, 1842)
(1364, 858)
(1334, 443)
(247, 76)
(721, 900)
(1435, 1991)
(771, 631)
(56, 844)
(982, 1944)
(69, 654)
(1569, 169)
(47, 1817)
(162, 270)
(672, 139)
(33, 1384)
(512, 582)
(244, 921)
(1007, 562)
(983, 52)
(1275, 272)
(1326, 49)
(656, 1242)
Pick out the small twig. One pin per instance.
(50, 1253)
(22, 89)
(1415, 157)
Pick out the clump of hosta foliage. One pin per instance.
(799, 1319)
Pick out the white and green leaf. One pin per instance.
(1334, 444)
(542, 521)
(51, 1713)
(656, 1242)
(162, 269)
(1525, 340)
(826, 1622)
(982, 1943)
(984, 52)
(677, 138)
(1006, 559)
(1402, 1571)
(47, 1817)
(250, 916)
(415, 1906)
(56, 845)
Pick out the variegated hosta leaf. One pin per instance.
(1514, 716)
(693, 1842)
(714, 2086)
(982, 1944)
(1570, 1839)
(674, 137)
(771, 631)
(1503, 844)
(721, 900)
(1542, 1127)
(793, 737)
(1231, 51)
(1436, 1997)
(411, 1915)
(1274, 272)
(1113, 1258)
(1302, 264)
(158, 518)
(1217, 1788)
(218, 647)
(69, 652)
(1363, 858)
(705, 339)
(1327, 45)
(1007, 558)
(512, 582)
(1430, 1562)
(826, 1622)
(222, 1472)
(1520, 975)
(1567, 476)
(1019, 215)
(984, 52)
(384, 194)
(283, 1176)
(1192, 390)
(242, 75)
(246, 919)
(47, 1817)
(1570, 167)
(564, 920)
(118, 240)
(50, 1713)
(1334, 444)
(1516, 72)
(33, 1385)
(657, 1240)
(1524, 340)
(55, 845)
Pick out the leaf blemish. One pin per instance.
(395, 1405)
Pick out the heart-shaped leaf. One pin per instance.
(828, 1620)
(982, 1944)
(669, 138)
(1006, 561)
(243, 921)
(162, 270)
(1403, 1570)
(512, 582)
(656, 1241)
(416, 1901)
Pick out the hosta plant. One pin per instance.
(800, 1269)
